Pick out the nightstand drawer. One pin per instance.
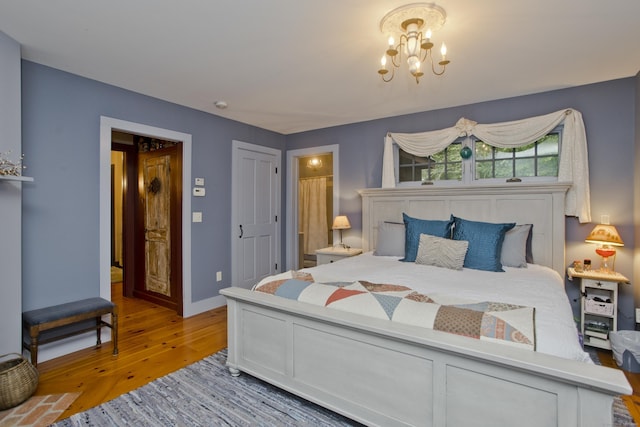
(329, 255)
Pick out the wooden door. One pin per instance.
(159, 191)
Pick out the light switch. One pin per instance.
(199, 181)
(198, 191)
(196, 216)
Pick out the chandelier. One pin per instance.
(408, 23)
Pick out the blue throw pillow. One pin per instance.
(414, 227)
(485, 242)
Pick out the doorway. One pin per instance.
(146, 206)
(297, 165)
(315, 206)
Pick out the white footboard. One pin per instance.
(382, 373)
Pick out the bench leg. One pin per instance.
(33, 347)
(114, 330)
(98, 331)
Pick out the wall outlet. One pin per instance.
(637, 315)
(219, 276)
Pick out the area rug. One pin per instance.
(205, 394)
(37, 411)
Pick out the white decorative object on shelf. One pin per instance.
(12, 171)
(8, 167)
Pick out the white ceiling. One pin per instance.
(296, 65)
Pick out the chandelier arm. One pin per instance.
(433, 69)
(399, 49)
(393, 71)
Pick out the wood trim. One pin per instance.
(130, 192)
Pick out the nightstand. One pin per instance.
(330, 254)
(598, 305)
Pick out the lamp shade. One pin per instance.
(605, 234)
(341, 222)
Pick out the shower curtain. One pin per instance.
(312, 213)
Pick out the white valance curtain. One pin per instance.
(573, 163)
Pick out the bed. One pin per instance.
(382, 372)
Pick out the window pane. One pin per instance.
(504, 169)
(548, 166)
(526, 151)
(405, 158)
(504, 153)
(548, 145)
(484, 169)
(483, 151)
(405, 174)
(438, 157)
(455, 171)
(525, 167)
(422, 173)
(437, 172)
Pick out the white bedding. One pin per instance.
(536, 286)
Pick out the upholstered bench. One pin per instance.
(49, 324)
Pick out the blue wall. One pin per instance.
(61, 119)
(608, 111)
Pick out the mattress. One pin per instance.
(534, 286)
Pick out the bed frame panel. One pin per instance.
(382, 373)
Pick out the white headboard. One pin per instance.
(539, 204)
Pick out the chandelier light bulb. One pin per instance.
(443, 50)
(428, 34)
(414, 64)
(391, 41)
(383, 61)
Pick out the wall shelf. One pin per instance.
(16, 178)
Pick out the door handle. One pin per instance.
(241, 232)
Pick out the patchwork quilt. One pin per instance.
(503, 323)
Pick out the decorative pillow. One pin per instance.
(415, 227)
(485, 242)
(390, 239)
(514, 246)
(441, 252)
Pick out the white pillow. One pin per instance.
(514, 246)
(441, 252)
(391, 237)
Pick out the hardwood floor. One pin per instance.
(154, 341)
(632, 401)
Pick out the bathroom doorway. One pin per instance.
(315, 206)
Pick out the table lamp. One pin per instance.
(341, 222)
(607, 237)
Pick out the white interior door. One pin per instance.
(255, 213)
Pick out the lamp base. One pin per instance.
(608, 260)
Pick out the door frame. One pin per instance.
(107, 124)
(235, 147)
(292, 196)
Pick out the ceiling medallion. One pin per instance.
(412, 25)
